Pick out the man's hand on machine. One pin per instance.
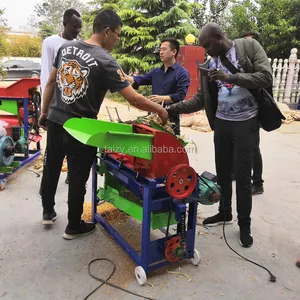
(43, 121)
(163, 114)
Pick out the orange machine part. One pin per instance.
(167, 152)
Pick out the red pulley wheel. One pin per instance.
(181, 181)
(170, 249)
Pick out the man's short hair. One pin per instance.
(253, 34)
(174, 44)
(68, 14)
(106, 18)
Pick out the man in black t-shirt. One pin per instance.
(82, 73)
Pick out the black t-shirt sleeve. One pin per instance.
(116, 80)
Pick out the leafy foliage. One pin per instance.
(146, 23)
(16, 45)
(23, 46)
(2, 37)
(2, 18)
(204, 11)
(274, 20)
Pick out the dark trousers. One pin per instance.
(79, 157)
(257, 165)
(234, 146)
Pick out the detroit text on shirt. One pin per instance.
(80, 53)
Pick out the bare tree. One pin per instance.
(207, 10)
(48, 14)
(216, 8)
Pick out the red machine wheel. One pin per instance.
(170, 249)
(181, 181)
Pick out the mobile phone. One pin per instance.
(203, 71)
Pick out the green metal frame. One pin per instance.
(135, 210)
(115, 137)
(9, 170)
(111, 194)
(9, 106)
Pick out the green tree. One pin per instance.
(275, 20)
(217, 7)
(146, 23)
(2, 37)
(2, 18)
(241, 16)
(23, 46)
(279, 26)
(204, 11)
(199, 14)
(93, 9)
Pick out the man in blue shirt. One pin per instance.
(170, 82)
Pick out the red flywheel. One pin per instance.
(171, 247)
(181, 181)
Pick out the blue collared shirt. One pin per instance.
(174, 82)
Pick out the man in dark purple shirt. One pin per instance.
(170, 82)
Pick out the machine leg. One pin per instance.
(146, 227)
(192, 221)
(25, 101)
(94, 190)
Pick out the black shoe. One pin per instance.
(83, 229)
(49, 218)
(67, 179)
(246, 239)
(217, 219)
(257, 189)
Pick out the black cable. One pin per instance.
(272, 277)
(106, 281)
(37, 174)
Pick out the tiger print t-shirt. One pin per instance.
(84, 75)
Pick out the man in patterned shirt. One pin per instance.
(232, 112)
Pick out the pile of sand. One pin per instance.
(291, 115)
(197, 121)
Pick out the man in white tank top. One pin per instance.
(72, 26)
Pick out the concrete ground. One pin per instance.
(37, 264)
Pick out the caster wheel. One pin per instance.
(140, 275)
(197, 258)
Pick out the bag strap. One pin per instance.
(231, 68)
(228, 64)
